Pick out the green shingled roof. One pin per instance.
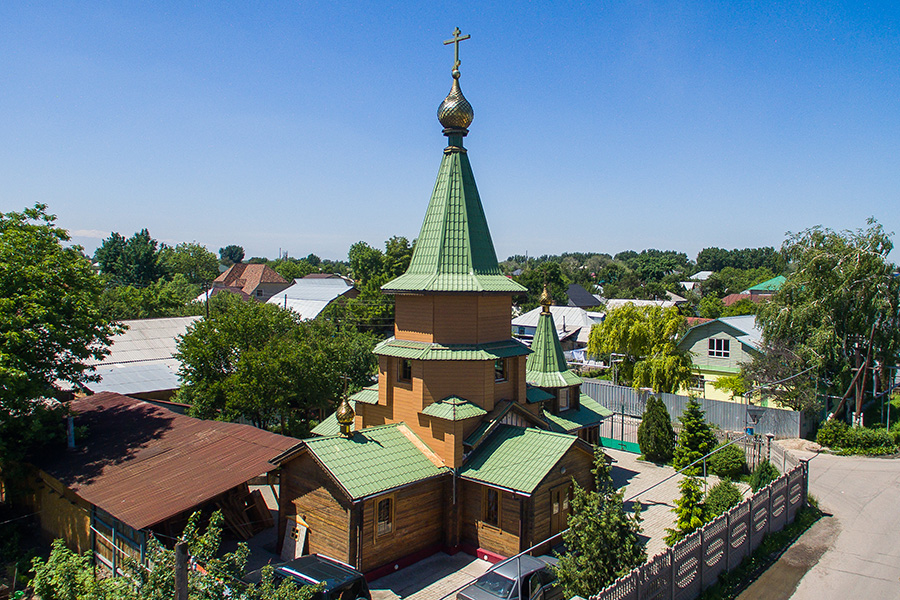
(546, 365)
(454, 408)
(517, 458)
(769, 285)
(589, 412)
(374, 460)
(454, 251)
(428, 351)
(368, 395)
(329, 425)
(536, 394)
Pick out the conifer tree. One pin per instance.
(602, 539)
(655, 434)
(691, 514)
(695, 440)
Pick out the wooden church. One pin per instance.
(453, 449)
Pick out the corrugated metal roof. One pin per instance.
(620, 302)
(589, 412)
(454, 251)
(454, 408)
(144, 464)
(432, 351)
(375, 459)
(567, 319)
(137, 377)
(309, 297)
(517, 458)
(146, 339)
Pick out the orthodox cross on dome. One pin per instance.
(455, 41)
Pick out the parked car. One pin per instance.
(341, 581)
(532, 574)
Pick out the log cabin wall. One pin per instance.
(417, 524)
(577, 464)
(453, 318)
(308, 492)
(502, 539)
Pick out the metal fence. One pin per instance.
(730, 416)
(683, 571)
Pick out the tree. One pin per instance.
(764, 474)
(728, 462)
(647, 338)
(135, 261)
(744, 306)
(779, 361)
(293, 268)
(721, 498)
(695, 440)
(711, 307)
(602, 540)
(198, 265)
(734, 385)
(842, 291)
(732, 280)
(160, 299)
(66, 575)
(50, 326)
(689, 511)
(534, 279)
(656, 437)
(231, 254)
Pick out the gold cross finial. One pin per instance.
(455, 41)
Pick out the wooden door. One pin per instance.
(559, 508)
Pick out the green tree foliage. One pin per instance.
(764, 474)
(744, 306)
(695, 440)
(689, 510)
(720, 498)
(716, 259)
(647, 338)
(198, 265)
(293, 268)
(533, 279)
(160, 299)
(65, 575)
(780, 361)
(602, 540)
(50, 325)
(231, 255)
(729, 462)
(135, 261)
(734, 385)
(656, 436)
(731, 280)
(258, 361)
(842, 287)
(711, 307)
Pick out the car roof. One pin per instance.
(528, 564)
(318, 569)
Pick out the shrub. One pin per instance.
(655, 434)
(831, 433)
(764, 474)
(695, 439)
(729, 462)
(721, 497)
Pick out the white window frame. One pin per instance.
(719, 348)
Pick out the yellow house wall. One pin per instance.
(62, 513)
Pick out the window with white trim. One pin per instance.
(719, 348)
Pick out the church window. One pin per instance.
(491, 513)
(384, 523)
(500, 369)
(405, 371)
(563, 399)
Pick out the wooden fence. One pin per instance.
(683, 571)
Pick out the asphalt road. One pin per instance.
(855, 553)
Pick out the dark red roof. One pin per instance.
(248, 277)
(732, 298)
(144, 464)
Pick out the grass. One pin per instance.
(731, 584)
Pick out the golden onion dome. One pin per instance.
(345, 415)
(546, 301)
(455, 112)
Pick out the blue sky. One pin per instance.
(307, 126)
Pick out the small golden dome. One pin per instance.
(546, 301)
(345, 415)
(455, 112)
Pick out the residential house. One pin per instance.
(142, 469)
(257, 281)
(718, 348)
(446, 452)
(766, 289)
(308, 296)
(580, 297)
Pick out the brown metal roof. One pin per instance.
(144, 464)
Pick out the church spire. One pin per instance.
(546, 365)
(454, 251)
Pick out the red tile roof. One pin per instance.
(248, 277)
(694, 321)
(732, 298)
(144, 464)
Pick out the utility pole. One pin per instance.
(181, 571)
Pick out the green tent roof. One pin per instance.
(454, 408)
(546, 366)
(368, 395)
(454, 251)
(430, 351)
(589, 412)
(517, 458)
(374, 460)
